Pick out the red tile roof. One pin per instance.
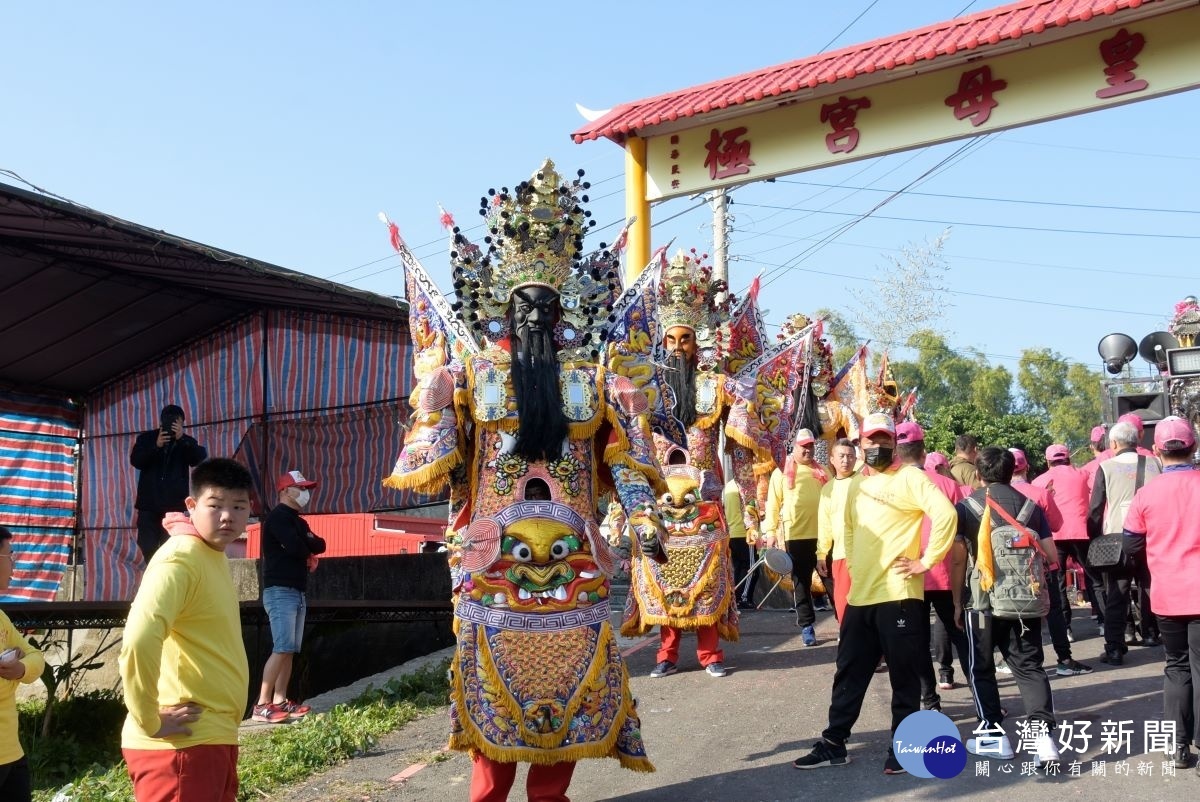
(930, 43)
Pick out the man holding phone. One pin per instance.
(163, 457)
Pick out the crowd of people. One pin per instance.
(992, 548)
(711, 451)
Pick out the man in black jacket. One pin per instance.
(288, 546)
(163, 457)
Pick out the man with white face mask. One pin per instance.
(287, 546)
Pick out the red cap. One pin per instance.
(293, 479)
(878, 422)
(1058, 453)
(1174, 433)
(1021, 464)
(1098, 433)
(910, 432)
(1134, 420)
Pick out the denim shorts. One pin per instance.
(285, 608)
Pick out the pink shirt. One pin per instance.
(1166, 511)
(1071, 492)
(1044, 499)
(938, 576)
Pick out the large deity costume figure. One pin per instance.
(515, 415)
(715, 363)
(818, 409)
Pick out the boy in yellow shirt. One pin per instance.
(19, 662)
(183, 663)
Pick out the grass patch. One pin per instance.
(288, 754)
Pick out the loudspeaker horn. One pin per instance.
(1154, 346)
(1116, 350)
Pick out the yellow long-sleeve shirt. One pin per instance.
(731, 498)
(10, 746)
(831, 518)
(885, 515)
(183, 643)
(792, 511)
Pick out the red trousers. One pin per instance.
(204, 773)
(492, 780)
(708, 649)
(841, 587)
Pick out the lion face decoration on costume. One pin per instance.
(543, 561)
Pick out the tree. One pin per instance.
(1042, 377)
(1065, 395)
(905, 296)
(1074, 415)
(943, 376)
(1014, 430)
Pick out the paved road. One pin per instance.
(735, 738)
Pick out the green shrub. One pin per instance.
(288, 754)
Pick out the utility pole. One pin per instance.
(720, 200)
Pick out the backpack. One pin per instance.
(1020, 589)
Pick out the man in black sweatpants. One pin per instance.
(1019, 639)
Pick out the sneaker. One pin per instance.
(997, 746)
(294, 710)
(809, 636)
(945, 681)
(1002, 668)
(936, 704)
(664, 669)
(823, 754)
(1069, 668)
(1045, 750)
(744, 604)
(892, 765)
(1183, 757)
(1113, 658)
(1151, 642)
(715, 670)
(882, 667)
(269, 713)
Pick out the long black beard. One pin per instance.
(805, 406)
(681, 376)
(542, 424)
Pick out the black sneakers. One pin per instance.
(892, 765)
(823, 754)
(663, 669)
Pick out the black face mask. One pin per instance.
(878, 457)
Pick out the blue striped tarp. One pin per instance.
(278, 390)
(38, 436)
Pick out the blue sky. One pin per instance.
(279, 131)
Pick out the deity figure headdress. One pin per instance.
(688, 295)
(534, 239)
(1185, 324)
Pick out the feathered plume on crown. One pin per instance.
(688, 295)
(535, 238)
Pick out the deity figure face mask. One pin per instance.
(542, 423)
(680, 345)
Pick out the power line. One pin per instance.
(970, 258)
(983, 295)
(993, 225)
(1022, 201)
(849, 25)
(1101, 150)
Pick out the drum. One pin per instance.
(777, 567)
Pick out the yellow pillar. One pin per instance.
(637, 248)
